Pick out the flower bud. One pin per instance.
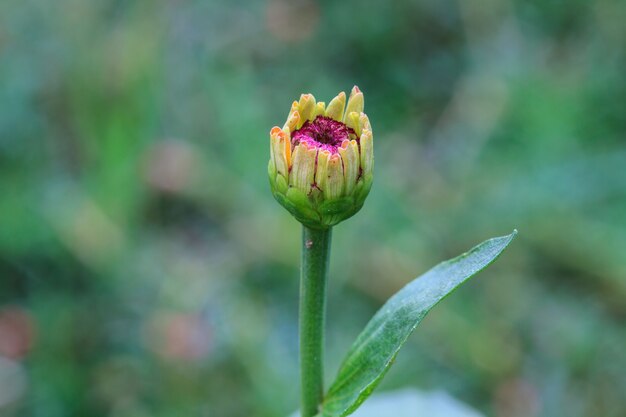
(321, 160)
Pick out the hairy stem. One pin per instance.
(313, 278)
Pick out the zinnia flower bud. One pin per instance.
(322, 158)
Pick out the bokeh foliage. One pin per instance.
(145, 269)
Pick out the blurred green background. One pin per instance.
(145, 269)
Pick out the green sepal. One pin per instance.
(338, 206)
(280, 197)
(298, 204)
(362, 189)
(299, 199)
(281, 184)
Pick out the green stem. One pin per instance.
(313, 278)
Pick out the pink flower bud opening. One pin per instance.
(323, 133)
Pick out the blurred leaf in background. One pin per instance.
(145, 269)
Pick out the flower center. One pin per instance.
(322, 133)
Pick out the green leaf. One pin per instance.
(376, 347)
